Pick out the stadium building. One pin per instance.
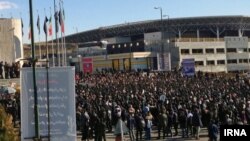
(216, 44)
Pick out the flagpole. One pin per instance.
(64, 42)
(53, 52)
(60, 16)
(46, 38)
(31, 41)
(57, 41)
(64, 50)
(39, 44)
(21, 62)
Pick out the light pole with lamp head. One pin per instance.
(168, 44)
(36, 118)
(162, 45)
(69, 60)
(79, 63)
(104, 47)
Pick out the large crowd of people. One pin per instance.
(135, 103)
(165, 101)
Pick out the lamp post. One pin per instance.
(162, 45)
(69, 60)
(79, 63)
(37, 135)
(104, 47)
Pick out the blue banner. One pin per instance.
(188, 67)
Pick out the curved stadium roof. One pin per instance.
(173, 25)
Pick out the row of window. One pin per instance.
(222, 62)
(212, 50)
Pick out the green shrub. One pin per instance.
(7, 130)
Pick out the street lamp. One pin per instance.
(79, 62)
(69, 60)
(36, 118)
(160, 11)
(162, 45)
(104, 47)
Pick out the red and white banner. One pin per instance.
(87, 64)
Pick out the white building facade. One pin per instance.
(230, 54)
(11, 44)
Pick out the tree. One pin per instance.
(7, 130)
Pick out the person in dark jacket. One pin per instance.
(175, 123)
(170, 124)
(213, 131)
(1, 70)
(183, 122)
(162, 123)
(85, 124)
(197, 123)
(139, 125)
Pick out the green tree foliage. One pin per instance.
(7, 130)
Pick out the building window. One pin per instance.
(210, 62)
(220, 50)
(232, 61)
(210, 50)
(243, 60)
(231, 50)
(184, 51)
(199, 63)
(245, 50)
(197, 51)
(220, 62)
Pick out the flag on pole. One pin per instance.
(38, 24)
(29, 32)
(56, 21)
(45, 25)
(61, 20)
(22, 26)
(50, 26)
